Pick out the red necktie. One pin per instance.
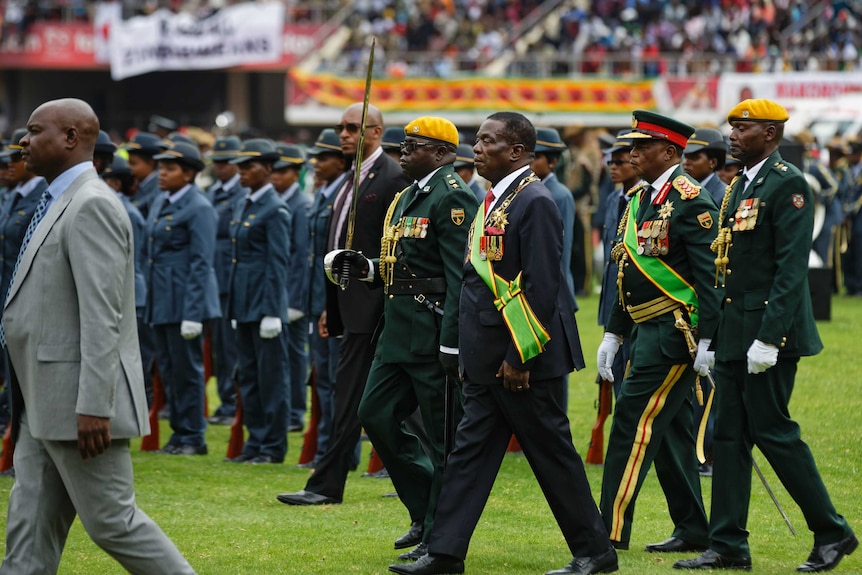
(489, 199)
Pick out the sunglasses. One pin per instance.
(352, 128)
(410, 146)
(616, 163)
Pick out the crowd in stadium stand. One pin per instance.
(579, 36)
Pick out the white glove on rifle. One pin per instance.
(761, 356)
(270, 327)
(607, 351)
(705, 359)
(190, 329)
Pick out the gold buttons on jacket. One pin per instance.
(727, 300)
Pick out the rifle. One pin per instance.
(596, 449)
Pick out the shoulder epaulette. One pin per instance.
(452, 182)
(635, 189)
(783, 168)
(687, 188)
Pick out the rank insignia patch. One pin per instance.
(705, 220)
(798, 201)
(457, 215)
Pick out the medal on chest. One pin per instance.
(745, 217)
(653, 238)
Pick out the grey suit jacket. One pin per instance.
(70, 318)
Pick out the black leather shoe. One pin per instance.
(307, 465)
(826, 557)
(305, 498)
(380, 474)
(168, 449)
(709, 559)
(241, 458)
(220, 419)
(190, 450)
(430, 565)
(674, 545)
(263, 459)
(604, 563)
(412, 537)
(415, 553)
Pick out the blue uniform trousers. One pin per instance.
(224, 360)
(297, 357)
(264, 393)
(181, 366)
(324, 355)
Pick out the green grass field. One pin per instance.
(225, 519)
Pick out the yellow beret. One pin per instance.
(433, 128)
(758, 110)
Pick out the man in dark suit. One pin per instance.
(766, 325)
(511, 368)
(418, 348)
(77, 390)
(666, 266)
(704, 155)
(356, 310)
(225, 194)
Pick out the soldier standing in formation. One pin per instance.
(225, 194)
(767, 324)
(665, 268)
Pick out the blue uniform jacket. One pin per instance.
(147, 193)
(225, 202)
(566, 204)
(14, 220)
(319, 215)
(297, 272)
(139, 234)
(181, 282)
(258, 276)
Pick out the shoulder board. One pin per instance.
(636, 189)
(687, 189)
(452, 183)
(784, 168)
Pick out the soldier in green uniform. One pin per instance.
(665, 273)
(423, 244)
(767, 324)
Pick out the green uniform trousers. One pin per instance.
(751, 409)
(392, 393)
(653, 422)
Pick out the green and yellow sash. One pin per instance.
(661, 275)
(527, 331)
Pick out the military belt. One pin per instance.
(414, 286)
(652, 309)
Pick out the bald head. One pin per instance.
(60, 134)
(348, 133)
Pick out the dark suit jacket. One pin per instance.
(532, 244)
(358, 309)
(566, 204)
(181, 282)
(767, 297)
(258, 278)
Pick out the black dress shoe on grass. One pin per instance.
(241, 458)
(415, 553)
(826, 557)
(709, 559)
(263, 460)
(412, 537)
(430, 565)
(674, 545)
(305, 498)
(604, 563)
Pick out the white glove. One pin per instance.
(293, 314)
(233, 324)
(761, 356)
(270, 327)
(705, 359)
(191, 329)
(607, 351)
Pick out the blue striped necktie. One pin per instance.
(41, 208)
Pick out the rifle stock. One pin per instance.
(596, 449)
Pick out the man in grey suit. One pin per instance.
(77, 389)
